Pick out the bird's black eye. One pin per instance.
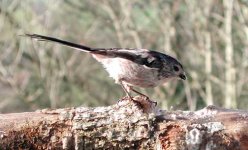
(176, 68)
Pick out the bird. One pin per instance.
(130, 67)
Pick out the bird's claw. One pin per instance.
(149, 100)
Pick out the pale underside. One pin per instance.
(130, 73)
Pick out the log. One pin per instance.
(125, 125)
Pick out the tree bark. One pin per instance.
(125, 125)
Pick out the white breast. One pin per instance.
(129, 72)
(115, 68)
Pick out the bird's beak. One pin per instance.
(182, 76)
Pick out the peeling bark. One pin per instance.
(125, 126)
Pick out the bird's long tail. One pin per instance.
(66, 43)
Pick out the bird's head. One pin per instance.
(167, 66)
(172, 68)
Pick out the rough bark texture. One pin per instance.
(125, 126)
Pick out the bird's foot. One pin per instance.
(149, 100)
(145, 103)
(142, 102)
(131, 99)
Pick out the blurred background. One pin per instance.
(209, 37)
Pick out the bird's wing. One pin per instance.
(139, 56)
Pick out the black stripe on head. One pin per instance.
(166, 58)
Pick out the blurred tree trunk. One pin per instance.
(230, 92)
(208, 65)
(124, 126)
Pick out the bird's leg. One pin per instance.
(138, 102)
(138, 92)
(127, 91)
(146, 97)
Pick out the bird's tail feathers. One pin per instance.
(66, 43)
